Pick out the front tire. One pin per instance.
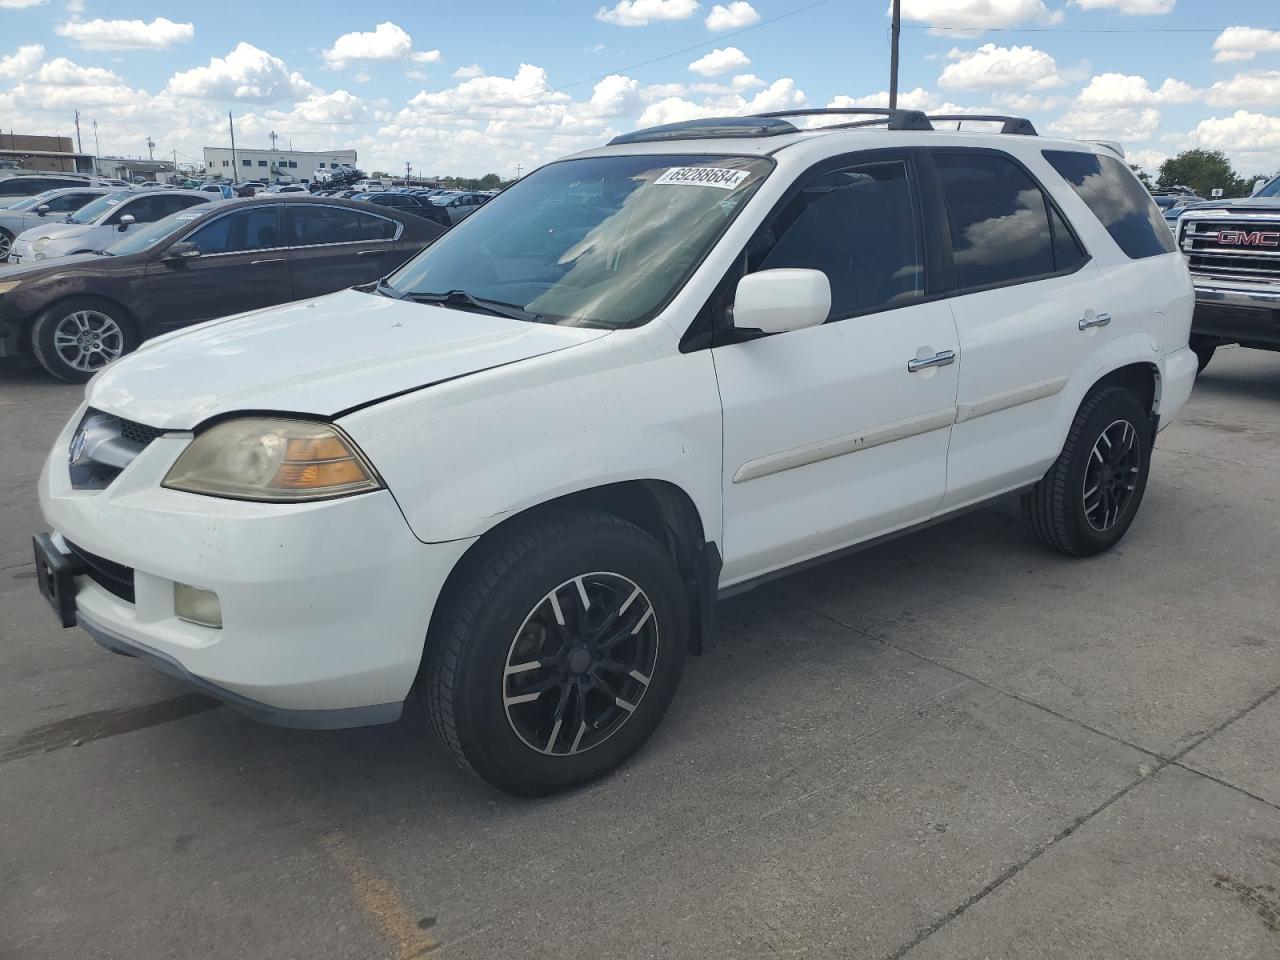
(559, 654)
(1086, 501)
(75, 338)
(6, 244)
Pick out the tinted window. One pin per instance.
(317, 224)
(1067, 252)
(1117, 199)
(252, 229)
(69, 201)
(998, 219)
(858, 226)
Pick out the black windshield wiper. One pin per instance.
(385, 289)
(460, 298)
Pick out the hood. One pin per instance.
(320, 356)
(56, 232)
(77, 263)
(1260, 204)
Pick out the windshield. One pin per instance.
(30, 203)
(1272, 189)
(95, 208)
(146, 236)
(602, 241)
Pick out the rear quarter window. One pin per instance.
(1117, 199)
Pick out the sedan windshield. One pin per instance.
(602, 241)
(146, 236)
(95, 208)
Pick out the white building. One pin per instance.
(283, 166)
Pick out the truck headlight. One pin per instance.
(261, 458)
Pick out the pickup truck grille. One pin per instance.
(1231, 249)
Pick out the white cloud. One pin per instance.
(1259, 89)
(639, 13)
(126, 34)
(1242, 131)
(1148, 160)
(720, 61)
(19, 4)
(387, 42)
(614, 96)
(746, 81)
(468, 72)
(780, 95)
(992, 66)
(917, 99)
(978, 15)
(362, 77)
(1027, 102)
(1108, 123)
(735, 16)
(1124, 90)
(75, 6)
(1136, 7)
(23, 62)
(246, 73)
(1245, 43)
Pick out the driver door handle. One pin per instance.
(259, 263)
(1100, 320)
(939, 359)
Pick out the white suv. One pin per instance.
(516, 474)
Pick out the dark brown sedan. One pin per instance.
(76, 314)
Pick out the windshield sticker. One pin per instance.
(721, 177)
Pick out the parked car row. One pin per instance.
(169, 259)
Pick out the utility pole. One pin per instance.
(273, 138)
(151, 149)
(894, 30)
(406, 173)
(517, 171)
(235, 170)
(79, 149)
(96, 149)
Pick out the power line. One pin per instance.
(974, 30)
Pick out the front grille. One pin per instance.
(1233, 249)
(103, 445)
(138, 432)
(113, 577)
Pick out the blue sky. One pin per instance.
(486, 86)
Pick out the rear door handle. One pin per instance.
(1099, 320)
(259, 263)
(370, 253)
(940, 359)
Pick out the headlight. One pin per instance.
(41, 243)
(274, 460)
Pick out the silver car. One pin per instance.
(52, 206)
(99, 223)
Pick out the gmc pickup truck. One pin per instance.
(1233, 250)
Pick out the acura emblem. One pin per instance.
(77, 445)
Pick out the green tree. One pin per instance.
(1141, 175)
(1203, 171)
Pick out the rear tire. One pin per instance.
(1203, 349)
(1087, 499)
(6, 244)
(557, 656)
(77, 337)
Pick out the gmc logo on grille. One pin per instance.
(1249, 238)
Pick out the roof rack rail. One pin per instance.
(728, 127)
(897, 119)
(1020, 126)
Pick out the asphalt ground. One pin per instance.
(953, 745)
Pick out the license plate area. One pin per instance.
(56, 576)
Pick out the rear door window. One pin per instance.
(1117, 199)
(1001, 222)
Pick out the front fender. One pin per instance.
(462, 456)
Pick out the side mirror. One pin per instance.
(126, 222)
(43, 209)
(775, 301)
(182, 251)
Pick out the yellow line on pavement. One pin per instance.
(379, 900)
